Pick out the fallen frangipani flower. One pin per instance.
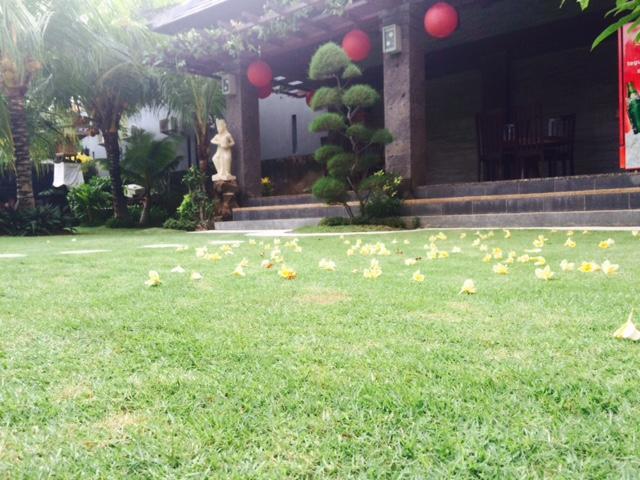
(441, 236)
(523, 258)
(628, 331)
(497, 253)
(570, 233)
(507, 233)
(463, 235)
(456, 250)
(538, 261)
(154, 279)
(239, 271)
(589, 267)
(468, 287)
(406, 242)
(213, 257)
(226, 249)
(544, 273)
(570, 243)
(608, 243)
(327, 265)
(267, 264)
(196, 276)
(533, 250)
(409, 262)
(586, 232)
(484, 248)
(609, 269)
(178, 269)
(418, 276)
(182, 248)
(244, 263)
(287, 273)
(635, 233)
(487, 258)
(540, 241)
(500, 269)
(567, 266)
(252, 241)
(374, 270)
(201, 252)
(475, 243)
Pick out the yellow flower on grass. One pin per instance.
(196, 276)
(178, 269)
(609, 269)
(567, 266)
(443, 254)
(244, 263)
(287, 273)
(501, 269)
(570, 243)
(468, 287)
(418, 276)
(239, 271)
(608, 243)
(539, 261)
(497, 253)
(351, 252)
(267, 264)
(475, 243)
(406, 242)
(570, 233)
(214, 257)
(374, 270)
(628, 331)
(507, 233)
(533, 250)
(456, 250)
(201, 252)
(509, 261)
(409, 262)
(441, 236)
(154, 279)
(276, 241)
(523, 258)
(328, 265)
(635, 233)
(252, 242)
(589, 267)
(226, 249)
(544, 273)
(463, 235)
(487, 258)
(484, 248)
(182, 248)
(540, 241)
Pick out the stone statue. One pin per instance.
(222, 157)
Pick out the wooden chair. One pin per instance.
(490, 143)
(559, 144)
(529, 140)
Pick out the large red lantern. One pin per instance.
(441, 20)
(265, 92)
(309, 97)
(259, 74)
(357, 45)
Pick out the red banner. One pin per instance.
(629, 64)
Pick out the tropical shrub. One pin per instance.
(197, 210)
(356, 150)
(91, 203)
(45, 220)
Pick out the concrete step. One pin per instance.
(534, 185)
(569, 201)
(284, 224)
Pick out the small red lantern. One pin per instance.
(441, 20)
(357, 45)
(265, 92)
(260, 74)
(309, 97)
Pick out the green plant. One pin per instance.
(180, 224)
(628, 13)
(156, 215)
(356, 149)
(147, 162)
(44, 220)
(384, 198)
(196, 206)
(267, 186)
(91, 203)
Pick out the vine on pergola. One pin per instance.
(237, 37)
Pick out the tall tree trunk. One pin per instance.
(24, 166)
(202, 152)
(112, 146)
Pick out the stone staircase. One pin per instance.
(593, 200)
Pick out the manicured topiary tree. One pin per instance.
(355, 150)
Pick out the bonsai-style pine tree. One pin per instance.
(355, 149)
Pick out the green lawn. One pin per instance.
(330, 375)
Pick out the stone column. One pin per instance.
(243, 118)
(404, 95)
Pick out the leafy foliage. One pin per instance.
(91, 203)
(626, 12)
(196, 209)
(45, 220)
(356, 148)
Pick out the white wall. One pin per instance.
(276, 127)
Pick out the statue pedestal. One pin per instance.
(226, 192)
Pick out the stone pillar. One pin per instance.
(404, 95)
(243, 119)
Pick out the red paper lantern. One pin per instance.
(265, 92)
(309, 97)
(260, 74)
(441, 20)
(357, 45)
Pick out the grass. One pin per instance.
(326, 376)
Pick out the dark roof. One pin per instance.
(202, 14)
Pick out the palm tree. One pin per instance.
(195, 100)
(22, 28)
(147, 162)
(108, 80)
